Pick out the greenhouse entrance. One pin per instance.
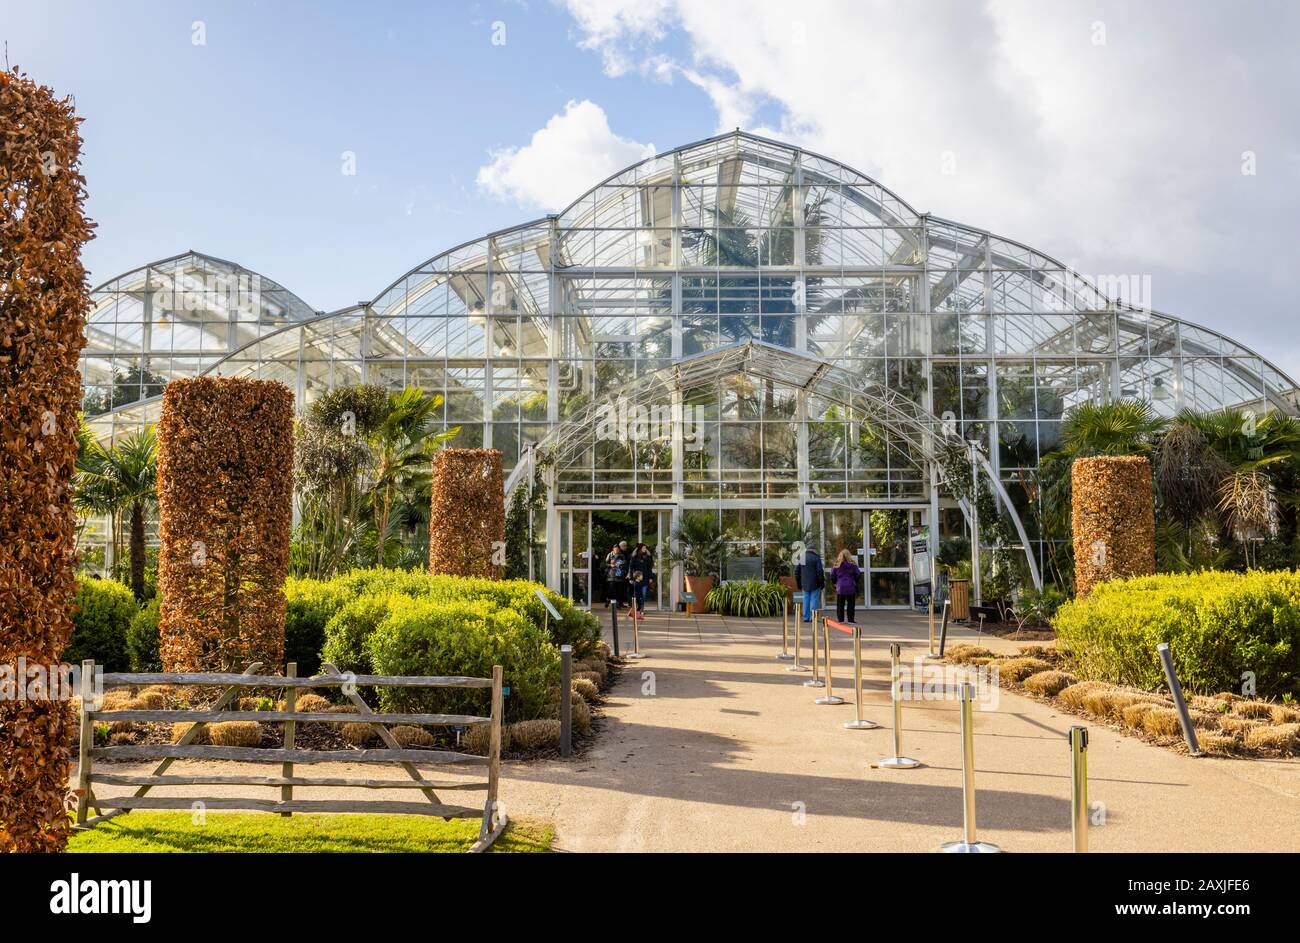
(588, 534)
(886, 542)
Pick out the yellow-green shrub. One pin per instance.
(1218, 625)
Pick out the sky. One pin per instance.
(334, 146)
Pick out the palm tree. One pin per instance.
(1118, 427)
(121, 478)
(402, 444)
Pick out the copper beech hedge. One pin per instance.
(1114, 519)
(43, 304)
(467, 515)
(225, 493)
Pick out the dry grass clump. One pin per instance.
(580, 714)
(311, 704)
(121, 739)
(1110, 702)
(586, 689)
(1018, 669)
(407, 735)
(182, 727)
(1279, 739)
(358, 734)
(1073, 695)
(1285, 714)
(339, 709)
(593, 676)
(967, 654)
(1038, 651)
(255, 704)
(122, 726)
(1214, 705)
(118, 701)
(532, 735)
(235, 733)
(598, 665)
(1134, 714)
(603, 650)
(1218, 744)
(1048, 683)
(478, 736)
(153, 699)
(1257, 710)
(1162, 722)
(1237, 726)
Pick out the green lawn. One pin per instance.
(253, 832)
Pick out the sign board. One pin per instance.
(547, 603)
(688, 597)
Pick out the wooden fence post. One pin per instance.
(290, 732)
(490, 813)
(87, 740)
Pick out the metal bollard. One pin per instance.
(861, 723)
(934, 589)
(798, 636)
(636, 636)
(829, 697)
(968, 844)
(1176, 691)
(613, 625)
(566, 700)
(897, 761)
(784, 654)
(1078, 737)
(943, 628)
(815, 681)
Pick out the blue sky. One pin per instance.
(1156, 140)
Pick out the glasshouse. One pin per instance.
(737, 336)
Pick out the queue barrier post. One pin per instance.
(798, 636)
(815, 681)
(784, 654)
(827, 625)
(969, 844)
(897, 761)
(1078, 737)
(636, 635)
(861, 723)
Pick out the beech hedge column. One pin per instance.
(1114, 519)
(467, 515)
(43, 304)
(225, 497)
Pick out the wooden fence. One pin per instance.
(492, 816)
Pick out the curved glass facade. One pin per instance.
(733, 239)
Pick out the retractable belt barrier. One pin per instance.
(897, 761)
(815, 681)
(861, 723)
(784, 654)
(969, 844)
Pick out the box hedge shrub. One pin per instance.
(462, 637)
(1218, 626)
(142, 638)
(101, 615)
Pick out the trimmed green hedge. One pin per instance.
(142, 638)
(1218, 626)
(462, 637)
(102, 613)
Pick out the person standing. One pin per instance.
(845, 573)
(640, 573)
(616, 575)
(810, 577)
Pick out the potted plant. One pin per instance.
(700, 548)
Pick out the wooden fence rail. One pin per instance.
(493, 818)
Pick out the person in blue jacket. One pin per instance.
(810, 577)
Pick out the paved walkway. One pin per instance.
(710, 744)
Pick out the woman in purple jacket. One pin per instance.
(846, 572)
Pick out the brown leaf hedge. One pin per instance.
(467, 517)
(1114, 519)
(225, 494)
(43, 304)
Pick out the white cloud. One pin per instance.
(1121, 157)
(564, 159)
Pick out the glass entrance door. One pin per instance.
(587, 535)
(878, 539)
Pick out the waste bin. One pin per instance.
(959, 595)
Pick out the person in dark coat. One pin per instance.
(810, 577)
(641, 570)
(616, 575)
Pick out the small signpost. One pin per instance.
(551, 611)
